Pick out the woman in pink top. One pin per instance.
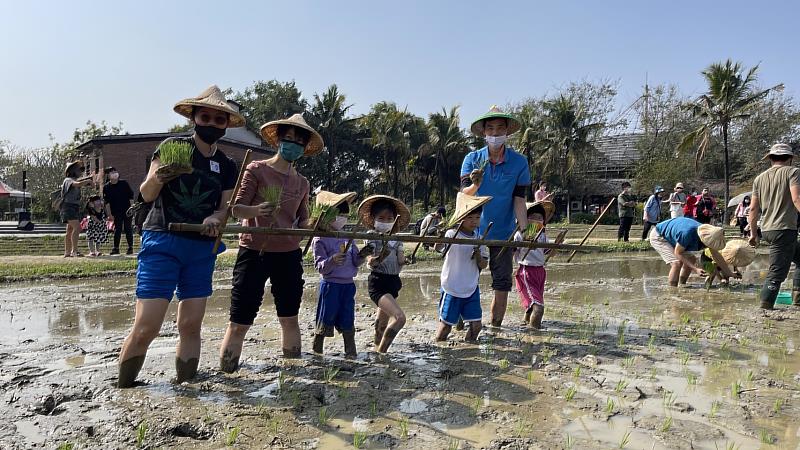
(277, 258)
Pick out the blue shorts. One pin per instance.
(469, 308)
(336, 307)
(168, 262)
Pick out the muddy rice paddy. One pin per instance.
(624, 362)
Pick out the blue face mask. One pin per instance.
(291, 151)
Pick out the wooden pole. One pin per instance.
(596, 222)
(510, 239)
(419, 244)
(247, 156)
(385, 248)
(559, 239)
(448, 247)
(535, 239)
(197, 228)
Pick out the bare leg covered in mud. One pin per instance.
(187, 354)
(231, 348)
(146, 325)
(498, 308)
(391, 318)
(290, 337)
(473, 331)
(536, 314)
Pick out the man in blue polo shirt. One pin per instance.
(501, 173)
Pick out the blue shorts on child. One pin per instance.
(169, 261)
(468, 308)
(336, 307)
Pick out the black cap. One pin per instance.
(441, 210)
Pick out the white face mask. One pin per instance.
(383, 227)
(496, 141)
(339, 222)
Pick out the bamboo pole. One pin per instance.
(510, 239)
(535, 239)
(596, 222)
(559, 239)
(385, 247)
(247, 156)
(448, 247)
(197, 228)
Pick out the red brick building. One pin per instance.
(130, 153)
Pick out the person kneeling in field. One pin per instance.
(737, 253)
(674, 239)
(461, 297)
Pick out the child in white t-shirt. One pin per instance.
(531, 275)
(461, 297)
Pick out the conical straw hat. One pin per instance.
(269, 131)
(403, 219)
(495, 113)
(210, 98)
(548, 206)
(325, 198)
(711, 236)
(465, 204)
(738, 253)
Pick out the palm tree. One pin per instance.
(565, 139)
(328, 113)
(386, 127)
(731, 96)
(446, 140)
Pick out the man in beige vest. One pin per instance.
(776, 198)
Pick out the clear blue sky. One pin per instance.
(66, 62)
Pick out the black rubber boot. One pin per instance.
(349, 338)
(319, 341)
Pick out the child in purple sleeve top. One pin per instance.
(337, 260)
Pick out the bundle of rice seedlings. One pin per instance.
(272, 196)
(175, 158)
(176, 153)
(531, 231)
(322, 215)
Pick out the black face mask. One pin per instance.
(209, 134)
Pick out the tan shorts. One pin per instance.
(664, 248)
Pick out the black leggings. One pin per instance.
(122, 221)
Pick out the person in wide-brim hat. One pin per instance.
(213, 98)
(495, 113)
(465, 204)
(73, 169)
(364, 213)
(270, 133)
(331, 199)
(547, 206)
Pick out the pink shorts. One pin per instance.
(530, 284)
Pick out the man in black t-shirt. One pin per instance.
(118, 195)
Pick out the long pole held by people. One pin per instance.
(248, 155)
(596, 222)
(198, 228)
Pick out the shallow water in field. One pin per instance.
(624, 361)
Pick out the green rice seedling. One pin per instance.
(503, 363)
(736, 389)
(714, 409)
(776, 407)
(454, 444)
(232, 436)
(324, 415)
(521, 429)
(685, 318)
(373, 408)
(628, 362)
(273, 424)
(141, 434)
(475, 405)
(66, 446)
(626, 439)
(669, 399)
(175, 153)
(691, 378)
(666, 424)
(727, 446)
(781, 372)
(576, 372)
(653, 373)
(765, 437)
(621, 385)
(330, 373)
(281, 380)
(322, 215)
(569, 442)
(684, 357)
(403, 424)
(749, 377)
(609, 405)
(359, 439)
(530, 376)
(570, 394)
